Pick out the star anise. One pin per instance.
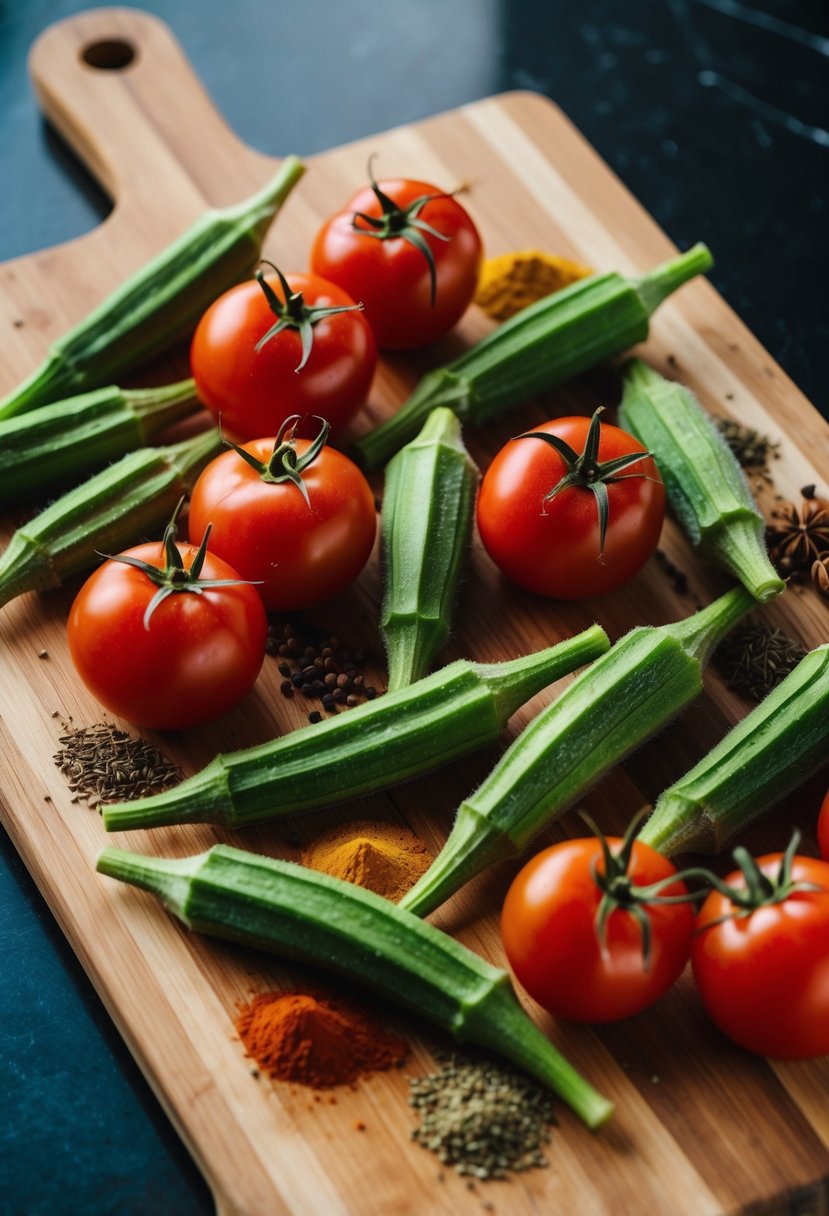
(798, 536)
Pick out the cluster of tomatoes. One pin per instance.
(170, 636)
(598, 930)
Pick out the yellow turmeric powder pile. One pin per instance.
(383, 857)
(512, 281)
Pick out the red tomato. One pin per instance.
(553, 546)
(302, 552)
(764, 977)
(200, 655)
(406, 307)
(548, 926)
(253, 391)
(823, 828)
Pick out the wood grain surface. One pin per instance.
(701, 1128)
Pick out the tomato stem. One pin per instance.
(294, 313)
(585, 471)
(173, 576)
(402, 222)
(284, 464)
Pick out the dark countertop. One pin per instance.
(715, 113)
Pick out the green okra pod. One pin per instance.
(626, 696)
(554, 339)
(129, 500)
(57, 444)
(161, 302)
(295, 912)
(426, 524)
(705, 485)
(765, 756)
(452, 712)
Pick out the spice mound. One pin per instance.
(755, 658)
(513, 281)
(382, 857)
(482, 1118)
(315, 1041)
(108, 765)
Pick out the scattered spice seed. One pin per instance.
(754, 659)
(319, 667)
(485, 1119)
(104, 764)
(752, 449)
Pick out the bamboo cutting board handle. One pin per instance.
(116, 85)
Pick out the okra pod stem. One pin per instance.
(55, 444)
(626, 696)
(454, 711)
(426, 525)
(766, 755)
(554, 339)
(295, 912)
(705, 485)
(161, 302)
(131, 499)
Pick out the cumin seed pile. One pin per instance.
(103, 764)
(485, 1119)
(754, 659)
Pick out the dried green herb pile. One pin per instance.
(755, 658)
(484, 1119)
(752, 449)
(104, 764)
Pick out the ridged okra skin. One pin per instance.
(765, 756)
(300, 914)
(54, 445)
(426, 526)
(132, 499)
(160, 303)
(551, 341)
(626, 696)
(705, 485)
(456, 710)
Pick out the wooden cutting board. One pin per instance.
(701, 1128)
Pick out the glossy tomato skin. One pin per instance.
(300, 555)
(553, 548)
(549, 935)
(391, 276)
(764, 978)
(252, 392)
(823, 828)
(200, 656)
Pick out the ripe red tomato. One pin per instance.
(303, 552)
(823, 828)
(552, 546)
(252, 391)
(764, 977)
(409, 301)
(548, 927)
(199, 656)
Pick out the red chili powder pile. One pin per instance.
(314, 1040)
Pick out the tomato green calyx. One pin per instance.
(402, 222)
(284, 464)
(760, 890)
(173, 576)
(294, 313)
(619, 890)
(587, 472)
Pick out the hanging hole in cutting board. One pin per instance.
(110, 55)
